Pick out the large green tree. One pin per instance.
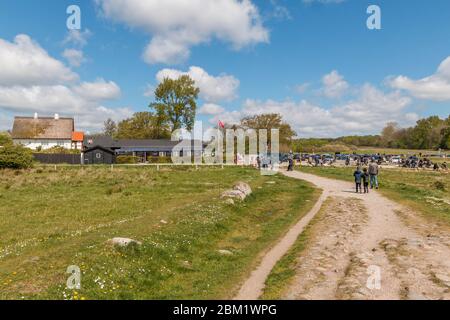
(270, 121)
(175, 102)
(142, 125)
(110, 128)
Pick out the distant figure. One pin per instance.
(291, 161)
(358, 178)
(258, 162)
(365, 180)
(444, 165)
(347, 161)
(373, 172)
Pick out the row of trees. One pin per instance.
(430, 133)
(174, 108)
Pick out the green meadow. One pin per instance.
(194, 245)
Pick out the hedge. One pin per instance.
(15, 157)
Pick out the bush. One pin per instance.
(439, 185)
(15, 157)
(159, 159)
(59, 150)
(127, 160)
(5, 139)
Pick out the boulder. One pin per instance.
(225, 252)
(123, 242)
(233, 194)
(243, 187)
(240, 191)
(229, 201)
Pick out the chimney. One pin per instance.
(56, 116)
(35, 115)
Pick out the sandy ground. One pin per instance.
(362, 247)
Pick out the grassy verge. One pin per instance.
(52, 219)
(283, 273)
(425, 191)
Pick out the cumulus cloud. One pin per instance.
(74, 57)
(365, 114)
(435, 87)
(334, 85)
(178, 25)
(24, 62)
(40, 83)
(212, 88)
(77, 37)
(211, 109)
(98, 90)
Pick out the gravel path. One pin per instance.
(358, 240)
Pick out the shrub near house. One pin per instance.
(15, 157)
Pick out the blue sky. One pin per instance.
(315, 61)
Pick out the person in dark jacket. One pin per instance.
(365, 180)
(358, 178)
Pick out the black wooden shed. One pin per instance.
(99, 155)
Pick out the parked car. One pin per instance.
(395, 159)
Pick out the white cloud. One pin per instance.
(212, 89)
(77, 37)
(24, 62)
(32, 81)
(435, 87)
(368, 113)
(211, 109)
(74, 57)
(178, 25)
(98, 90)
(301, 88)
(334, 85)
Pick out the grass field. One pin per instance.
(52, 219)
(426, 191)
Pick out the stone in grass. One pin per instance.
(233, 194)
(225, 252)
(229, 201)
(124, 242)
(243, 187)
(240, 191)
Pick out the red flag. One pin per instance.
(221, 124)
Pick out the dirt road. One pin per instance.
(362, 247)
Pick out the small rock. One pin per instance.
(123, 242)
(225, 252)
(243, 187)
(229, 201)
(163, 221)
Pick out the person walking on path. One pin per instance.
(365, 180)
(358, 178)
(373, 172)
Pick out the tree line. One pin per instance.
(430, 133)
